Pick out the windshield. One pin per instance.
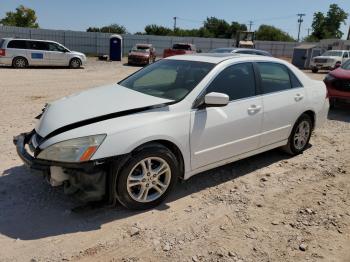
(138, 49)
(182, 47)
(333, 53)
(169, 79)
(346, 65)
(222, 50)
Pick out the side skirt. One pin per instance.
(235, 158)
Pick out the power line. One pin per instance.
(300, 20)
(274, 18)
(250, 25)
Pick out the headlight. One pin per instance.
(73, 150)
(329, 78)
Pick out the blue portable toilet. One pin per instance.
(115, 48)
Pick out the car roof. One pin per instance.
(217, 58)
(25, 39)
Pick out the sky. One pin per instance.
(136, 14)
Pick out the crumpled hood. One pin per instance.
(90, 104)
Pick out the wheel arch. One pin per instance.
(312, 115)
(171, 146)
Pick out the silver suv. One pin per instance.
(21, 53)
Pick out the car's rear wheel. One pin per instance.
(314, 70)
(300, 136)
(75, 63)
(20, 62)
(147, 178)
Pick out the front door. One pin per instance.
(219, 133)
(58, 55)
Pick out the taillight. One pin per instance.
(327, 93)
(2, 52)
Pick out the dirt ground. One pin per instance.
(266, 208)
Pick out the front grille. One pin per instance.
(320, 60)
(342, 85)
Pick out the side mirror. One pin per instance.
(216, 99)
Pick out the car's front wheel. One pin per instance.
(300, 135)
(75, 63)
(314, 70)
(147, 177)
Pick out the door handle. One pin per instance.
(254, 109)
(298, 97)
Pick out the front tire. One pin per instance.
(147, 177)
(314, 70)
(300, 135)
(20, 62)
(75, 63)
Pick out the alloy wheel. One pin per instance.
(301, 135)
(148, 179)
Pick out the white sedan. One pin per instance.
(178, 117)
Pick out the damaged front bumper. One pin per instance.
(84, 180)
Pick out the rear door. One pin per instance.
(38, 53)
(283, 100)
(16, 48)
(219, 133)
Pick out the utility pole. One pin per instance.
(300, 20)
(250, 25)
(174, 22)
(348, 38)
(308, 31)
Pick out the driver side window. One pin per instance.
(346, 55)
(237, 81)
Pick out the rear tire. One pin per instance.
(147, 178)
(300, 135)
(20, 62)
(75, 63)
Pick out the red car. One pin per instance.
(180, 49)
(338, 84)
(142, 54)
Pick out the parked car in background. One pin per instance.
(21, 53)
(329, 60)
(338, 84)
(173, 119)
(180, 49)
(142, 54)
(234, 50)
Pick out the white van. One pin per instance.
(21, 53)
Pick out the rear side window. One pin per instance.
(237, 81)
(37, 45)
(19, 44)
(294, 80)
(274, 77)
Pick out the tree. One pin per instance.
(22, 17)
(157, 30)
(112, 28)
(327, 26)
(271, 33)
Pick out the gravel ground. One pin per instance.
(267, 208)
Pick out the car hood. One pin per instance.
(341, 73)
(133, 53)
(328, 57)
(92, 106)
(77, 53)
